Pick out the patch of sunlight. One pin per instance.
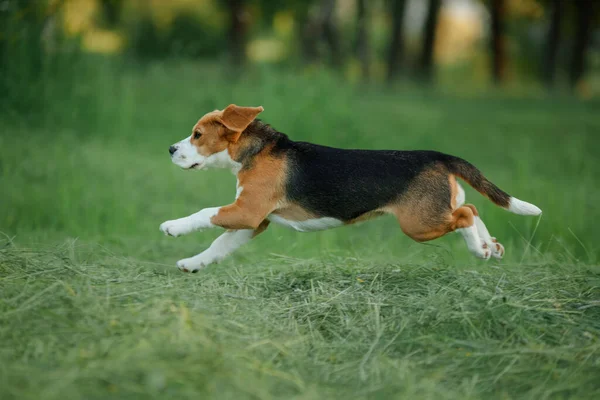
(458, 33)
(266, 50)
(103, 41)
(164, 12)
(78, 15)
(283, 23)
(525, 8)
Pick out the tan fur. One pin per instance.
(462, 217)
(236, 119)
(421, 211)
(262, 191)
(220, 129)
(367, 216)
(293, 212)
(453, 191)
(428, 209)
(261, 228)
(213, 134)
(472, 207)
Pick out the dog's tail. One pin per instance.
(470, 174)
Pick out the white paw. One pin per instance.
(497, 249)
(189, 265)
(174, 228)
(484, 252)
(193, 264)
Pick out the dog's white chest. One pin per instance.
(309, 225)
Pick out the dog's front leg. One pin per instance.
(194, 222)
(223, 246)
(244, 219)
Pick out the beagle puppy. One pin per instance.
(308, 187)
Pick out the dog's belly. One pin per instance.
(308, 225)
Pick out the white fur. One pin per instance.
(474, 243)
(460, 196)
(522, 207)
(186, 156)
(484, 235)
(309, 225)
(224, 245)
(194, 222)
(238, 189)
(497, 249)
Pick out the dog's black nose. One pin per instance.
(172, 150)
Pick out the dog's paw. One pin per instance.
(174, 228)
(190, 265)
(497, 249)
(193, 264)
(484, 252)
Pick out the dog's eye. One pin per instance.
(197, 135)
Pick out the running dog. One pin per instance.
(308, 187)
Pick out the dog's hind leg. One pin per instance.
(433, 206)
(463, 222)
(484, 234)
(224, 245)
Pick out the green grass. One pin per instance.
(92, 306)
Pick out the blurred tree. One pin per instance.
(583, 34)
(363, 51)
(498, 44)
(159, 30)
(111, 12)
(396, 47)
(29, 60)
(21, 51)
(268, 8)
(318, 24)
(552, 42)
(304, 44)
(309, 33)
(330, 33)
(237, 31)
(429, 31)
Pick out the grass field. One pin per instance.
(92, 305)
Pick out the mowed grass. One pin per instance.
(92, 306)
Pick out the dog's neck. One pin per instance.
(257, 138)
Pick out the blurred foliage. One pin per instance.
(21, 47)
(178, 39)
(38, 37)
(180, 28)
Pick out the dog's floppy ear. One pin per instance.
(236, 119)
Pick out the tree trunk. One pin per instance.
(549, 66)
(308, 34)
(237, 31)
(498, 45)
(362, 38)
(429, 39)
(330, 32)
(111, 12)
(396, 49)
(582, 40)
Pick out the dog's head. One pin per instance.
(212, 137)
